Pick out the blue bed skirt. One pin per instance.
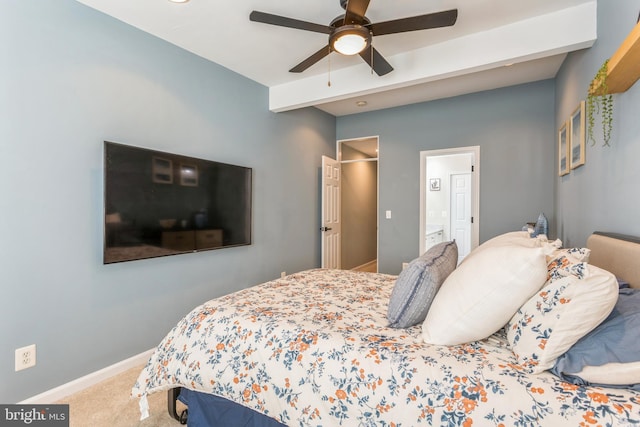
(206, 410)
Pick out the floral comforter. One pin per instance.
(313, 349)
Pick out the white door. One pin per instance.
(461, 212)
(330, 228)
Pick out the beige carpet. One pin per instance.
(107, 404)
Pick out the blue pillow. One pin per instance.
(418, 284)
(541, 227)
(609, 355)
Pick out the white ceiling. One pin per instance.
(494, 43)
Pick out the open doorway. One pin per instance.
(449, 198)
(359, 203)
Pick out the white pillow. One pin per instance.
(483, 293)
(568, 307)
(514, 237)
(517, 238)
(611, 373)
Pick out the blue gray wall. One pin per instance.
(603, 194)
(514, 128)
(72, 77)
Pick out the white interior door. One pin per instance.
(461, 212)
(330, 228)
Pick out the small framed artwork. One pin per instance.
(188, 175)
(162, 170)
(577, 132)
(563, 149)
(434, 184)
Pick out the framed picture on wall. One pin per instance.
(162, 170)
(188, 175)
(563, 149)
(577, 136)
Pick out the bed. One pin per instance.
(316, 348)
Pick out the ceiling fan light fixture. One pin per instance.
(349, 39)
(349, 44)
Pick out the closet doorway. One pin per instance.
(359, 203)
(449, 198)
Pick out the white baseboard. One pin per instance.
(60, 392)
(364, 266)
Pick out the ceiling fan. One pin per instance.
(351, 33)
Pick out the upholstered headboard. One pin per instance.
(617, 253)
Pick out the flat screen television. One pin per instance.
(159, 204)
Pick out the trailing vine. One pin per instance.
(591, 121)
(607, 117)
(600, 101)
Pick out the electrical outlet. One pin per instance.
(405, 265)
(284, 273)
(25, 357)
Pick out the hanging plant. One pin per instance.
(600, 101)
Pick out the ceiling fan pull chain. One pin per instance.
(329, 64)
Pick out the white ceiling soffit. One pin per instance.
(470, 56)
(508, 75)
(441, 70)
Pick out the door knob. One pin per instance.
(325, 228)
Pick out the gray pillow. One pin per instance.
(418, 284)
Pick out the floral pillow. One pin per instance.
(565, 262)
(576, 298)
(573, 254)
(579, 254)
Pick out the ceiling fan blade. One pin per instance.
(355, 11)
(379, 65)
(282, 21)
(311, 60)
(421, 22)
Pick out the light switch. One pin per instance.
(388, 214)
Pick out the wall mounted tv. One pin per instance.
(159, 204)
